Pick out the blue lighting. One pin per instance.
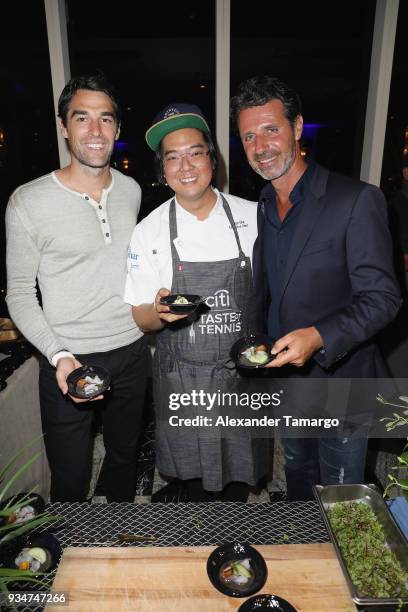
(310, 130)
(121, 145)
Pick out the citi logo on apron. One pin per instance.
(220, 300)
(222, 318)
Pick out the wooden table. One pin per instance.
(157, 579)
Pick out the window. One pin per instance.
(325, 57)
(167, 55)
(28, 141)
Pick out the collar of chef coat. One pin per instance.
(216, 210)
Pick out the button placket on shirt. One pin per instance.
(100, 209)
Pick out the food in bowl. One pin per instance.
(180, 299)
(237, 572)
(256, 354)
(253, 351)
(182, 303)
(88, 381)
(34, 559)
(236, 569)
(90, 385)
(22, 514)
(23, 507)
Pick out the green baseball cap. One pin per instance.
(175, 117)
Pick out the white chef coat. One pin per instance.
(149, 261)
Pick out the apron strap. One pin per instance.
(174, 233)
(228, 212)
(245, 307)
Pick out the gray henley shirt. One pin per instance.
(76, 248)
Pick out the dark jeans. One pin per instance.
(324, 461)
(67, 426)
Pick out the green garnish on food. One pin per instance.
(374, 569)
(240, 570)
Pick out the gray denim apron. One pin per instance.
(193, 354)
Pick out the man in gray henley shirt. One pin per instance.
(70, 230)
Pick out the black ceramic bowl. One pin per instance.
(222, 556)
(37, 503)
(266, 602)
(75, 387)
(193, 302)
(247, 342)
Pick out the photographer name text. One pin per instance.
(226, 421)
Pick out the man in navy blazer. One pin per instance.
(323, 273)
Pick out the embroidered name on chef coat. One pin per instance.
(134, 258)
(240, 224)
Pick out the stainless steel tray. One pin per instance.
(368, 494)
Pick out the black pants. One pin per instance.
(67, 426)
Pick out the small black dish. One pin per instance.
(193, 302)
(74, 385)
(221, 558)
(247, 342)
(266, 602)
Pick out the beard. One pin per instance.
(274, 173)
(86, 158)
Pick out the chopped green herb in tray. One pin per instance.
(373, 567)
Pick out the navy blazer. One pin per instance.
(339, 275)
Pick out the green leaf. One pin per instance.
(10, 572)
(11, 508)
(4, 470)
(4, 589)
(403, 483)
(24, 500)
(17, 474)
(41, 519)
(31, 522)
(403, 458)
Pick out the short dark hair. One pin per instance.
(94, 82)
(259, 90)
(159, 162)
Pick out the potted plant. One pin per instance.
(398, 479)
(14, 531)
